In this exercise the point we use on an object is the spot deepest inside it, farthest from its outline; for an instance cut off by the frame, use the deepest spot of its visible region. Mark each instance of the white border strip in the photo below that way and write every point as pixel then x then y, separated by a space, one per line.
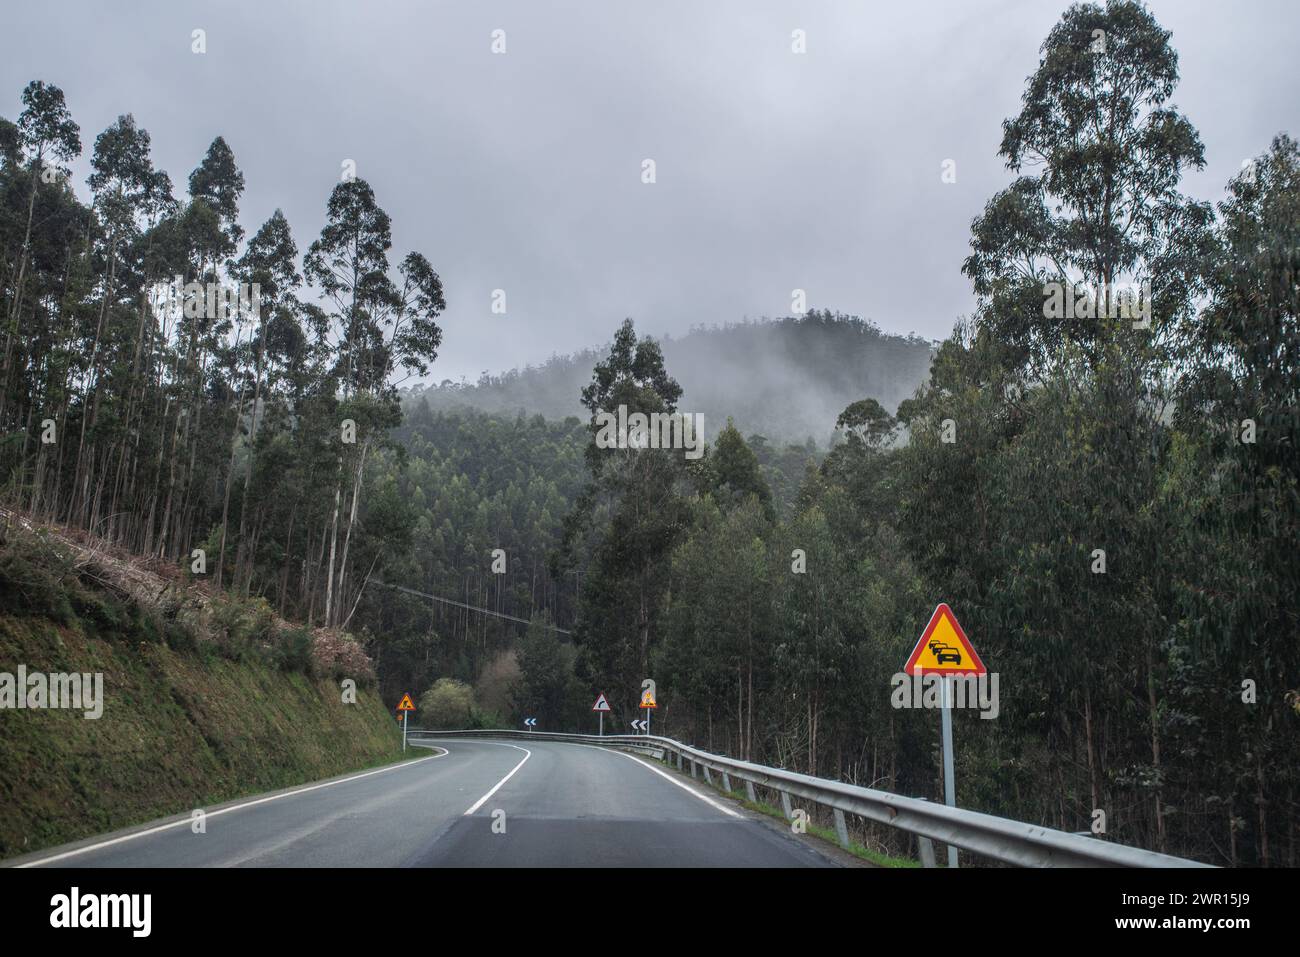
pixel 226 810
pixel 672 780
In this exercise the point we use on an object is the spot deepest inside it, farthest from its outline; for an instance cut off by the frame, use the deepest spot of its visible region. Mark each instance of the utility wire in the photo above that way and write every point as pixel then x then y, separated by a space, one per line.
pixel 461 604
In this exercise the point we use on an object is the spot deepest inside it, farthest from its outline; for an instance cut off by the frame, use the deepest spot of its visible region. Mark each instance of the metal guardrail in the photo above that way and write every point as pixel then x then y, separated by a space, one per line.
pixel 998 838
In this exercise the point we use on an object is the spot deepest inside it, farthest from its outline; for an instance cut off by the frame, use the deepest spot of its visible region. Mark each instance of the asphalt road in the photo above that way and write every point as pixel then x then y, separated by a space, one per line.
pixel 470 804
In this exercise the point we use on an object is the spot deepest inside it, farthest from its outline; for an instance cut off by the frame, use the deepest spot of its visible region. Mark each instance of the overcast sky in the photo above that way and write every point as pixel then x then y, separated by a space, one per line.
pixel 522 171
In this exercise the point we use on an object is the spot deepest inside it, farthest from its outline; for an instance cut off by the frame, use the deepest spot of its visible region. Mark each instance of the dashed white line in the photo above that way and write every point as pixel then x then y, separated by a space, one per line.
pixel 479 803
pixel 672 780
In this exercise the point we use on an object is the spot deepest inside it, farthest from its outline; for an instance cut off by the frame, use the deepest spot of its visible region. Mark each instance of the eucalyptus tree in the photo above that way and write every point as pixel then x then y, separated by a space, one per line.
pixel 47 135
pixel 126 189
pixel 1238 491
pixel 1100 154
pixel 269 263
pixel 624 526
pixel 381 326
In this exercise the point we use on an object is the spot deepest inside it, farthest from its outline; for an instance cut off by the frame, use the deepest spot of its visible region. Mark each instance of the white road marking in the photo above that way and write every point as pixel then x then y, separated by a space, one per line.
pixel 672 780
pixel 227 810
pixel 479 803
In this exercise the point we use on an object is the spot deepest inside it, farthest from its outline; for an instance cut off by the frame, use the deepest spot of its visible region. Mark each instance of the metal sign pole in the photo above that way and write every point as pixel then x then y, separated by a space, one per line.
pixel 404 714
pixel 602 723
pixel 949 785
pixel 647 720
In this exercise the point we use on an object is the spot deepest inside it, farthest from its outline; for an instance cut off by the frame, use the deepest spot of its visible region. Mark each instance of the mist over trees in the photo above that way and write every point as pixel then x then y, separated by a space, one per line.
pixel 785 379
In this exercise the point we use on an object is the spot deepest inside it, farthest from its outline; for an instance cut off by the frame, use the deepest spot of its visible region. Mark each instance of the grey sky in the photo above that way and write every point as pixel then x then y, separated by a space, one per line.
pixel 522 171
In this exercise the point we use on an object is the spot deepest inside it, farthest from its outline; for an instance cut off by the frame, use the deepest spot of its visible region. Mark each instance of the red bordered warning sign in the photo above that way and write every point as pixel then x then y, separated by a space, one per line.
pixel 944 648
pixel 406 704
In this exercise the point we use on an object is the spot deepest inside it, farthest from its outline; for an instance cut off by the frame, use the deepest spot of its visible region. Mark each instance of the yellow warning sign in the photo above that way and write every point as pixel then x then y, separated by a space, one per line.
pixel 406 704
pixel 648 699
pixel 944 648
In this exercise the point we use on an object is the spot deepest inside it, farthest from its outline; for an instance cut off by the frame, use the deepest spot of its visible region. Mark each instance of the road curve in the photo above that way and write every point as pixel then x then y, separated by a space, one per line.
pixel 473 803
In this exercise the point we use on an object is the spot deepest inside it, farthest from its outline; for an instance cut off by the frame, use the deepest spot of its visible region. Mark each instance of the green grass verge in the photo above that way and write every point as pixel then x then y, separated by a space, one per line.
pixel 824 833
pixel 180 730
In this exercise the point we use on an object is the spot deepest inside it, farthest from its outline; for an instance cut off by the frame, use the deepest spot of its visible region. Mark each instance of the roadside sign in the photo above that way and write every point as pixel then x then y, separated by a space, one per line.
pixel 648 698
pixel 601 704
pixel 944 648
pixel 405 707
pixel 530 723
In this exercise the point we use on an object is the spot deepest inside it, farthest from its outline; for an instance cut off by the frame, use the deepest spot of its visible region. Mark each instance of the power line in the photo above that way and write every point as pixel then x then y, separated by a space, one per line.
pixel 486 611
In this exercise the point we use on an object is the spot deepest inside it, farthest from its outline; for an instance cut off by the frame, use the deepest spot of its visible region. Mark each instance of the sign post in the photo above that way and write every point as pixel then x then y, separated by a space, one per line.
pixel 945 651
pixel 600 707
pixel 406 707
pixel 949 784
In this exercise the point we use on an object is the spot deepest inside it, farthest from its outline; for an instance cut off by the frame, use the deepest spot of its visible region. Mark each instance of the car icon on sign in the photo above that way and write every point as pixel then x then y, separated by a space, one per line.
pixel 946 654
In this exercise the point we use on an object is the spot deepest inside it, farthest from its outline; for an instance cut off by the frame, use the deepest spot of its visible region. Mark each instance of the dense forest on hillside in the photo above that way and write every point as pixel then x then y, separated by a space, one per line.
pixel 1110 503
pixel 785 379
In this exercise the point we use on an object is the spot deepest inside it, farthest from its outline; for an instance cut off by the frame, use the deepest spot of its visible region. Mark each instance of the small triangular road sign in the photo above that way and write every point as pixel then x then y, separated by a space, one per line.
pixel 407 704
pixel 648 699
pixel 944 648
pixel 601 704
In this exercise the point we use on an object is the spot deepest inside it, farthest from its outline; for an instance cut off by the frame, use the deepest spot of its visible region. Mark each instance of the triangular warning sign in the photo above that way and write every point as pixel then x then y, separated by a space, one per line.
pixel 648 699
pixel 601 704
pixel 944 648
pixel 406 704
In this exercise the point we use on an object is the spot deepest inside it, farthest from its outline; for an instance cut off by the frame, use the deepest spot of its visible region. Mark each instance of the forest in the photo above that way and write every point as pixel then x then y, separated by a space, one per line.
pixel 1111 506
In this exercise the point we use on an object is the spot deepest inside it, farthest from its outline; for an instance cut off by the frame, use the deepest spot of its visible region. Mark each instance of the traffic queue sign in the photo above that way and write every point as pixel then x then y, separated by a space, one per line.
pixel 648 701
pixel 944 649
pixel 601 706
pixel 405 707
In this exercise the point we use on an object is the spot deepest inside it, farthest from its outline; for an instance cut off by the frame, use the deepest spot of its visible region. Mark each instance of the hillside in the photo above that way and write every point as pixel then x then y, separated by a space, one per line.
pixel 785 379
pixel 203 700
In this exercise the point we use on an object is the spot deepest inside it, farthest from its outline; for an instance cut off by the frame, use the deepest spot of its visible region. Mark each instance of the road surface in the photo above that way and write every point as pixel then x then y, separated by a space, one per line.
pixel 469 804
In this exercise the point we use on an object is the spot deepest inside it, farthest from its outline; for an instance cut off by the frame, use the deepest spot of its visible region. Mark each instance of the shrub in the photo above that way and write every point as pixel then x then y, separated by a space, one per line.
pixel 448 705
pixel 292 651
pixel 337 654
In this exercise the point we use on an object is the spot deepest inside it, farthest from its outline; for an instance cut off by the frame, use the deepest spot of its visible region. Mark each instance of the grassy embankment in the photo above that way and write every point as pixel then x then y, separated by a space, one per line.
pixel 205 699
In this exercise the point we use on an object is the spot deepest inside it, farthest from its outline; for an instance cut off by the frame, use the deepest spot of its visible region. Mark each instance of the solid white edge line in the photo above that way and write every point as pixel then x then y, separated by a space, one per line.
pixel 226 810
pixel 672 780
pixel 479 803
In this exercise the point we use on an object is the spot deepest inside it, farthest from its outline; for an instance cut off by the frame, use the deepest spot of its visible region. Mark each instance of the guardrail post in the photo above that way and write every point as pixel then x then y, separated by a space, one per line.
pixel 726 782
pixel 749 792
pixel 925 847
pixel 679 760
pixel 841 829
pixel 708 778
pixel 785 805
pixel 694 770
